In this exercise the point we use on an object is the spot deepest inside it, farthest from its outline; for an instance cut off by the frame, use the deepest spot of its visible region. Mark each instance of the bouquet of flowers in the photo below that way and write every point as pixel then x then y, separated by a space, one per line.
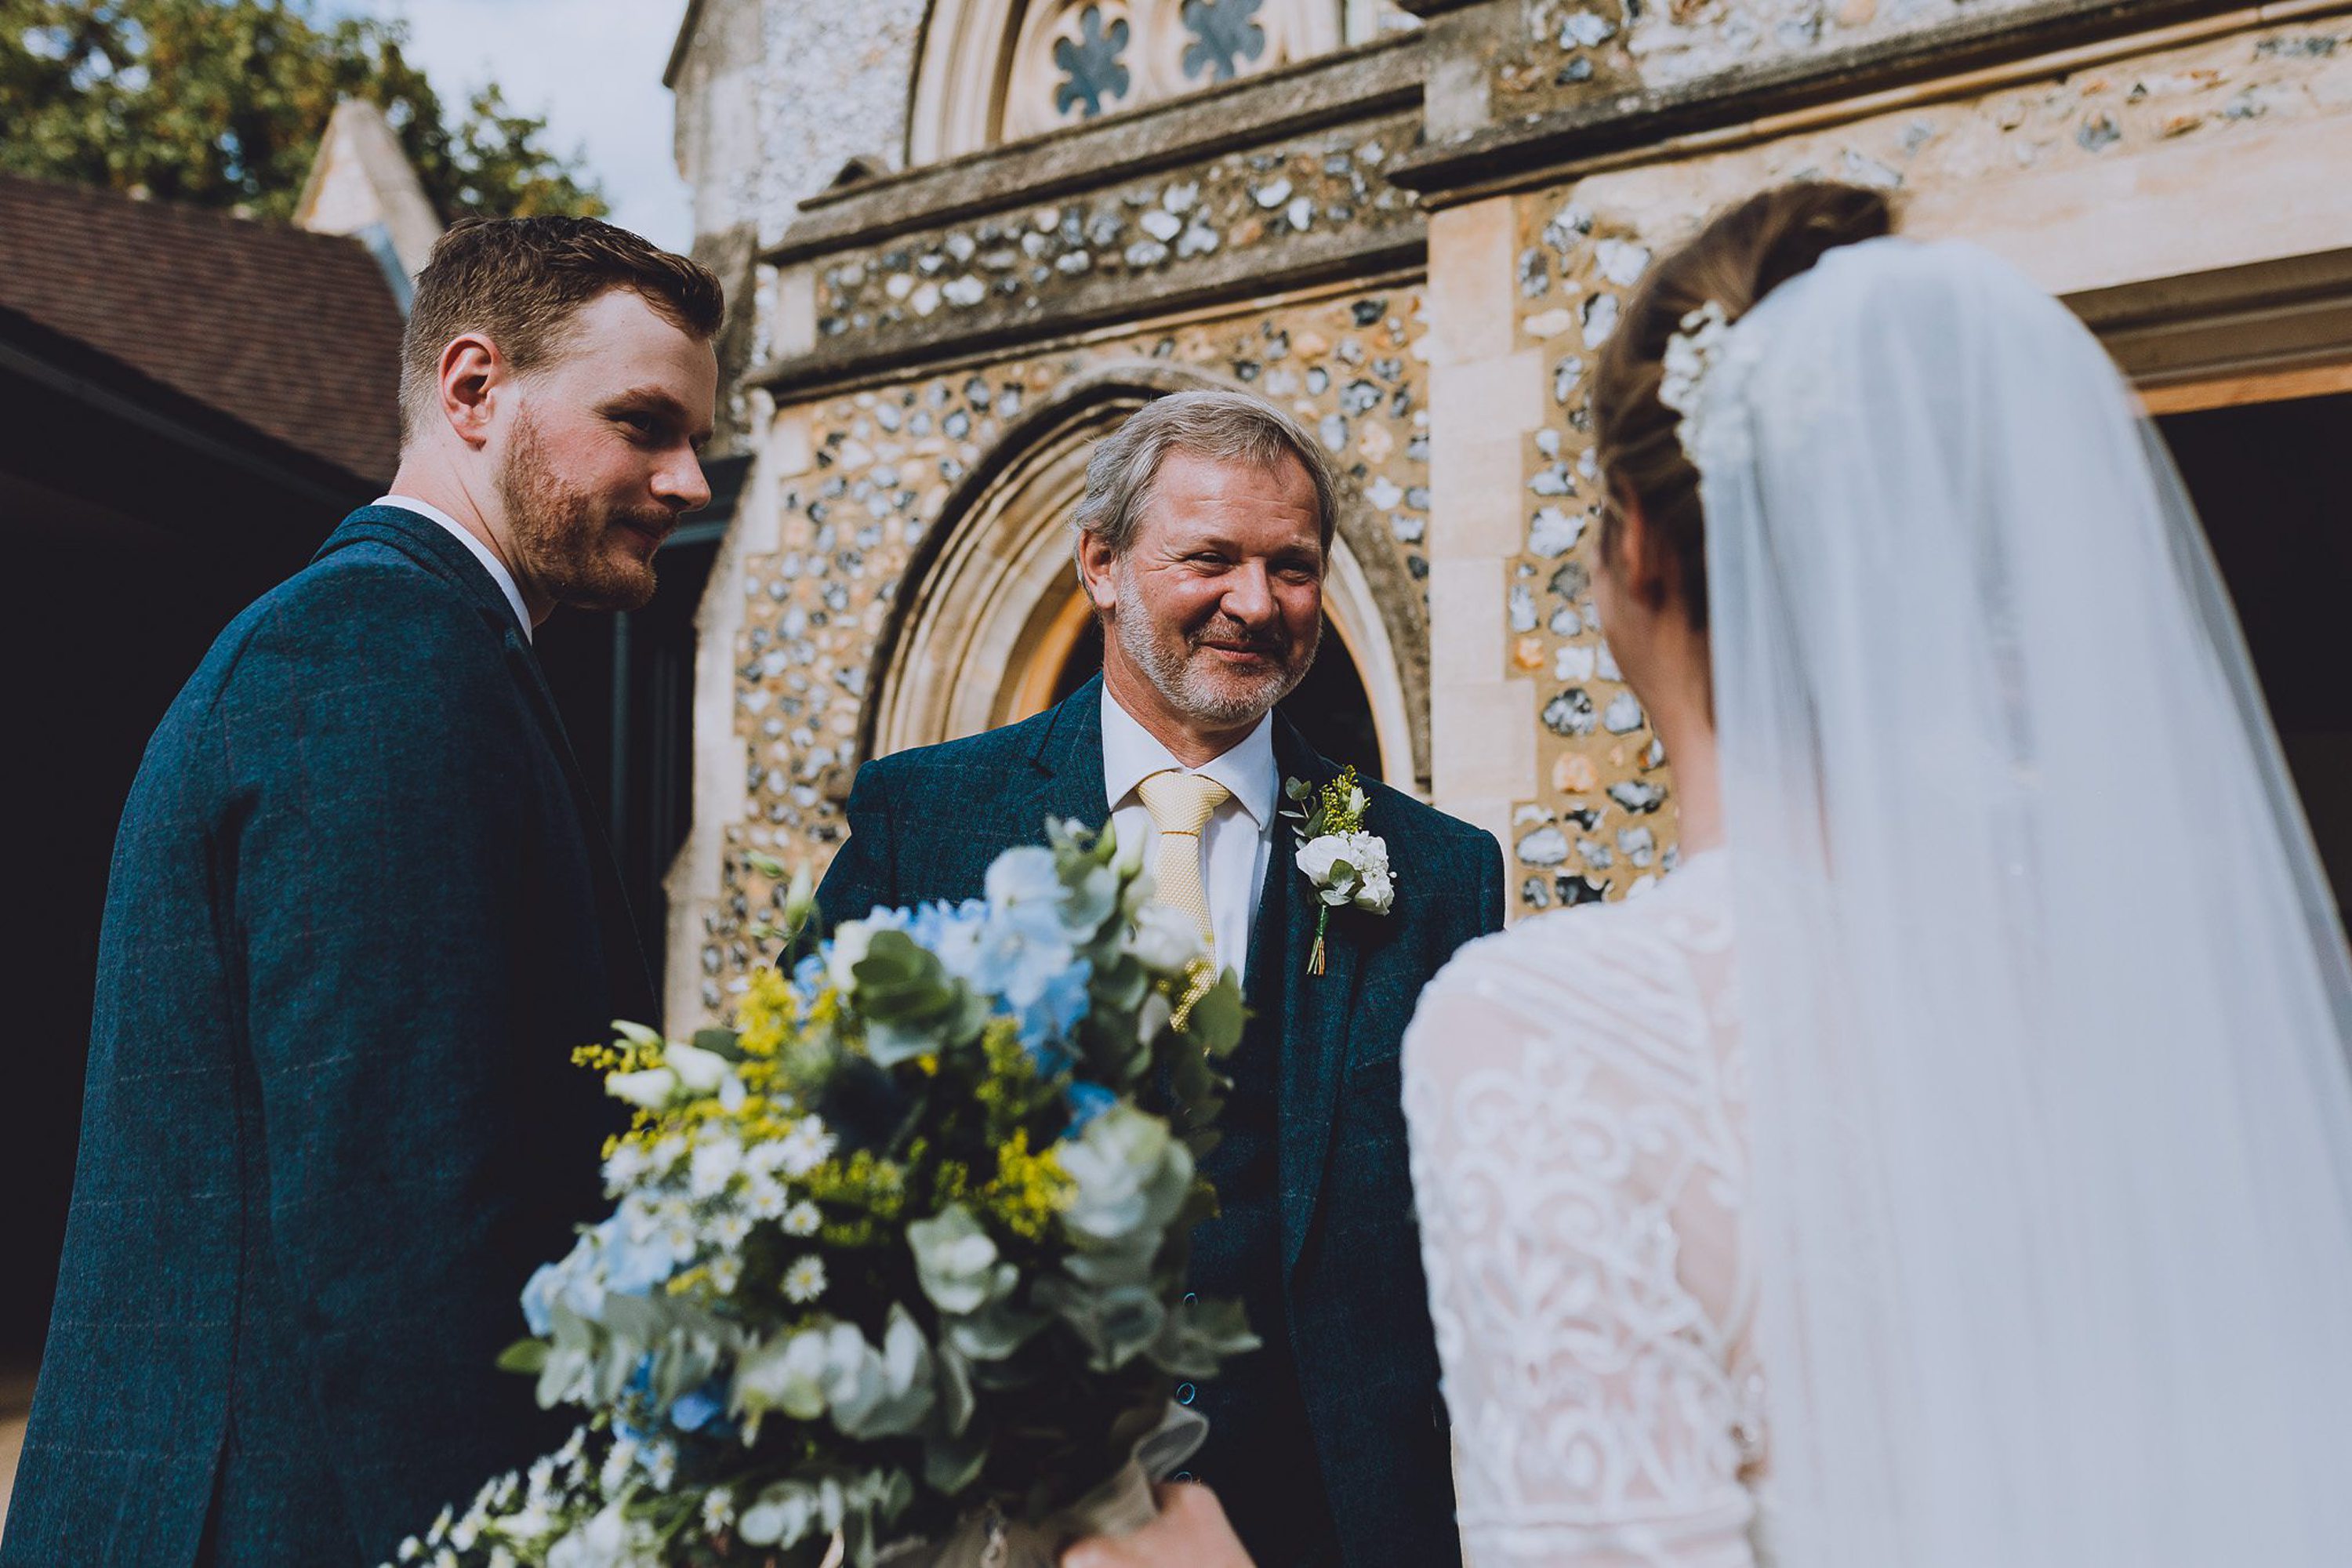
pixel 897 1272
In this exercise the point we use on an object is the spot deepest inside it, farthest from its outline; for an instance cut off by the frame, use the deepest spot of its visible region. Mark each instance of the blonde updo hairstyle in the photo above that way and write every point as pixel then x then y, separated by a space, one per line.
pixel 1735 261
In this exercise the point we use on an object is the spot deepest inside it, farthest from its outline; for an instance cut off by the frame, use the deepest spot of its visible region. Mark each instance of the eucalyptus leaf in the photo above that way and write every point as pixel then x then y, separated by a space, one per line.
pixel 994 1333
pixel 527 1356
pixel 951 1463
pixel 1219 1016
pixel 721 1042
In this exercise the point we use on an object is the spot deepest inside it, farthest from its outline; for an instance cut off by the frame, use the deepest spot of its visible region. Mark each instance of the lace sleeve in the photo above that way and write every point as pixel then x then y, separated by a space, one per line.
pixel 1576 1114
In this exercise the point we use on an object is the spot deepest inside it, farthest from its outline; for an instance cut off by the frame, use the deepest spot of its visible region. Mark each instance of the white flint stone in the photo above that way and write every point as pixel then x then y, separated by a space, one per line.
pixel 1272 197
pixel 1555 531
pixel 1161 224
pixel 1582 29
pixel 1622 261
pixel 1600 320
pixel 1544 846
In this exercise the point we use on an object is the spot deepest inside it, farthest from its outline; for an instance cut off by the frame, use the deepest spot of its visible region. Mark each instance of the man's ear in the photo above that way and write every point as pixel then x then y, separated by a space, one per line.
pixel 1098 572
pixel 473 377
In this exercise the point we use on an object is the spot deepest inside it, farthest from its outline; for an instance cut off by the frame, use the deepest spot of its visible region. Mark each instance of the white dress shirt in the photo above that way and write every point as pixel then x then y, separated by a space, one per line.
pixel 482 552
pixel 1237 842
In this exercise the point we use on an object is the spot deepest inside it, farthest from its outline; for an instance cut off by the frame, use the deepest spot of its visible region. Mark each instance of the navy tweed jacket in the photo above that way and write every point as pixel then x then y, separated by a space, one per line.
pixel 359 916
pixel 925 824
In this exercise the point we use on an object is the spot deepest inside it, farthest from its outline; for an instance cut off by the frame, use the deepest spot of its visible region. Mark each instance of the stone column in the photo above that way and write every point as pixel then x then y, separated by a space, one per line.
pixel 1485 396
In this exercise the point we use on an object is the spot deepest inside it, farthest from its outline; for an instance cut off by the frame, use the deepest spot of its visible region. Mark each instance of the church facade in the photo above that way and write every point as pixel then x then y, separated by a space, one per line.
pixel 969 237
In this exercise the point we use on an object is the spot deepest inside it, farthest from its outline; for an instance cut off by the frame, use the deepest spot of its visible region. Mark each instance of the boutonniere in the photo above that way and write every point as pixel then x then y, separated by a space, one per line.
pixel 1345 865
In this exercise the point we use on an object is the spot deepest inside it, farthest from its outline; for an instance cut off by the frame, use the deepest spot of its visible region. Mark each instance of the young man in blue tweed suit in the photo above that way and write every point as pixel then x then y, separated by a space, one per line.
pixel 1203 536
pixel 361 914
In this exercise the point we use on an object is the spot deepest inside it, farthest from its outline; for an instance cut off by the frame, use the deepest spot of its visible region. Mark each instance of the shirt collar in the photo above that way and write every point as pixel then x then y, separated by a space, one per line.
pixel 1132 753
pixel 482 552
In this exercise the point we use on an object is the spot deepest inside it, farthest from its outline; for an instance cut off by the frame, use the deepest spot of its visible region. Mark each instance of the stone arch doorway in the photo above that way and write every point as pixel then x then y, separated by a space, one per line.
pixel 989 626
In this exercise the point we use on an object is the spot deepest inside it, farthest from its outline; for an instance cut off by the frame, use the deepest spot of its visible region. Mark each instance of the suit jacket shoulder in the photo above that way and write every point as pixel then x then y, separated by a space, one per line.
pixel 989 752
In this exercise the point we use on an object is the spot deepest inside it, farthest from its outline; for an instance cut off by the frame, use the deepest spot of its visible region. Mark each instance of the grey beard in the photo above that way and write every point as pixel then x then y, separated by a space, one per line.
pixel 1175 678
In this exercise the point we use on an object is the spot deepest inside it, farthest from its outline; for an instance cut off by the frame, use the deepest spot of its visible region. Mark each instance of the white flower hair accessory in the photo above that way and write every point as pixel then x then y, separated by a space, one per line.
pixel 1691 353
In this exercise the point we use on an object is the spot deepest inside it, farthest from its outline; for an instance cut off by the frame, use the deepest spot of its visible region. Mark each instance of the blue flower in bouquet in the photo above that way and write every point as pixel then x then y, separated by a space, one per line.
pixel 1086 1102
pixel 1050 1019
pixel 703 1409
pixel 808 977
pixel 608 1259
pixel 952 932
pixel 1025 879
pixel 1020 953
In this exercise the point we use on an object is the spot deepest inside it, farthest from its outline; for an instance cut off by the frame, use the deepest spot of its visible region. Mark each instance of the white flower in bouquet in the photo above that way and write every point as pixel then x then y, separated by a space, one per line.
pixel 805 1147
pixel 714 1166
pixel 1166 938
pixel 804 1280
pixel 698 1071
pixel 650 1088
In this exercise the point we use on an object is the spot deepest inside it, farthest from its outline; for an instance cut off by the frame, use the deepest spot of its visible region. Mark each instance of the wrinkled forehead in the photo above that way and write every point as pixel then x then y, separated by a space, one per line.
pixel 1263 502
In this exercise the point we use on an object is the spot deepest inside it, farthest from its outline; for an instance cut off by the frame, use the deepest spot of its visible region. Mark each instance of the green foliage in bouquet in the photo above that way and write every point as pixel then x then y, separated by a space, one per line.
pixel 903 1248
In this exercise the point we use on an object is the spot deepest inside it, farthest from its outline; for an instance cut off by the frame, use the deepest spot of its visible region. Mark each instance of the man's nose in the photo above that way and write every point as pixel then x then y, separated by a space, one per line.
pixel 679 484
pixel 1249 595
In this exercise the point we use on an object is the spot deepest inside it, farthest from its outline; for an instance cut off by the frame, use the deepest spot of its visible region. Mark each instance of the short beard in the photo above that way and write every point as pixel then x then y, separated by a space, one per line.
pixel 557 533
pixel 1170 664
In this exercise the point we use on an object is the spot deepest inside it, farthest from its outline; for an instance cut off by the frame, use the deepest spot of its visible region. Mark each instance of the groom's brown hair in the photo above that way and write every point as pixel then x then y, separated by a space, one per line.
pixel 519 281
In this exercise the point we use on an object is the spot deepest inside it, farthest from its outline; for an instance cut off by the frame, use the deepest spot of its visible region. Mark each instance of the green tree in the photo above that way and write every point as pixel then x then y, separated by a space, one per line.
pixel 221 103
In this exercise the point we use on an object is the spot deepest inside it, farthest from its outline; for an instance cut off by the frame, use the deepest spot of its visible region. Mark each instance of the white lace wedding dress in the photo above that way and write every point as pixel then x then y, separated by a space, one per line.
pixel 1577 1097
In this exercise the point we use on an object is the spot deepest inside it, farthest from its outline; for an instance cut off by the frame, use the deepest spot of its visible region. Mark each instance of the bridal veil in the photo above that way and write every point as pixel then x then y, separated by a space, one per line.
pixel 2046 1001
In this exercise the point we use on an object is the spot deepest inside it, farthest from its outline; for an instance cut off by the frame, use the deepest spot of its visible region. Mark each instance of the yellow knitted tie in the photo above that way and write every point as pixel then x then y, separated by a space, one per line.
pixel 1181 805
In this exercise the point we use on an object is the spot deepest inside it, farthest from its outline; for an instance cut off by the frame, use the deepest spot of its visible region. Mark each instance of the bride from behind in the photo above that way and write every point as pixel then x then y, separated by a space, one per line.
pixel 1949 1164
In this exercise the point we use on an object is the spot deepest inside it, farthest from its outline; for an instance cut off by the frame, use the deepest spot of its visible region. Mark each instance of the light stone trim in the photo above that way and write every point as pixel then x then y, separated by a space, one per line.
pixel 1485 394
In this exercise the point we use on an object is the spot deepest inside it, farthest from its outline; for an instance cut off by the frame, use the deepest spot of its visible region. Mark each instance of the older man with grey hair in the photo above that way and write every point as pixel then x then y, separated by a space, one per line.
pixel 1202 541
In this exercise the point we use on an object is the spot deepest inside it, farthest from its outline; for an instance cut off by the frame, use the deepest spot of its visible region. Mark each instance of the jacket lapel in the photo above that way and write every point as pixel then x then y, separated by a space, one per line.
pixel 1067 764
pixel 1316 1009
pixel 428 544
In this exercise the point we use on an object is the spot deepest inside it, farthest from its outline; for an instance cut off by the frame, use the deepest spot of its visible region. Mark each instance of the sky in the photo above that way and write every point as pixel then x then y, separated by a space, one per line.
pixel 593 68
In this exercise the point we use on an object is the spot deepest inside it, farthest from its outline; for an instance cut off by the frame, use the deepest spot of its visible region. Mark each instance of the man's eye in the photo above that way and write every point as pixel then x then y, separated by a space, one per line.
pixel 641 424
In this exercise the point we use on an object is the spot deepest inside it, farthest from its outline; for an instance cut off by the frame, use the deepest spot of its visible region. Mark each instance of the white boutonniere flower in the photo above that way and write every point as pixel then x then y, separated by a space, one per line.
pixel 1347 867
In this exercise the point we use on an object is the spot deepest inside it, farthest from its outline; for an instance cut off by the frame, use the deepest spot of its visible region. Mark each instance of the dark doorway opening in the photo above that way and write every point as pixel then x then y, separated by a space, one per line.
pixel 625 687
pixel 1330 707
pixel 2273 482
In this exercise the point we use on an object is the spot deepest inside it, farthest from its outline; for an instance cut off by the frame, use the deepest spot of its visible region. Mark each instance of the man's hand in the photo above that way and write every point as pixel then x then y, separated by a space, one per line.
pixel 1191 1532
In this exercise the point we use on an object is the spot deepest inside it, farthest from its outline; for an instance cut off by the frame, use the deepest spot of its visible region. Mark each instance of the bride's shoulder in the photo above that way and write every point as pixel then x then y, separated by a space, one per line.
pixel 1686 912
pixel 1636 962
